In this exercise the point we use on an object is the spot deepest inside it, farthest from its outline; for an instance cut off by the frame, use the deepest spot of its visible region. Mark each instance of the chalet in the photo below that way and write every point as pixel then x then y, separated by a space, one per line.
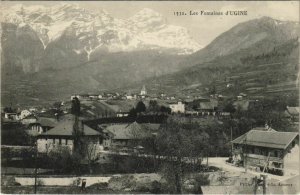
pixel 62 136
pixel 177 108
pixel 126 135
pixel 268 150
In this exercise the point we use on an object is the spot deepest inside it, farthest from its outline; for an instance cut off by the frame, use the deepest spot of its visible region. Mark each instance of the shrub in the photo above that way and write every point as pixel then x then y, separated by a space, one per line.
pixel 156 187
pixel 200 180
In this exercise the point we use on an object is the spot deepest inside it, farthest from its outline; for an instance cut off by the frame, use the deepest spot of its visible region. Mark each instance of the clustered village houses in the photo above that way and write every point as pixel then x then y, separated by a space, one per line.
pixel 261 148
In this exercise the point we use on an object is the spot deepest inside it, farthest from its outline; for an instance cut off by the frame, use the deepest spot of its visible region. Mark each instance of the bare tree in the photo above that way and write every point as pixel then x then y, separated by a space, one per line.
pixel 90 151
pixel 181 143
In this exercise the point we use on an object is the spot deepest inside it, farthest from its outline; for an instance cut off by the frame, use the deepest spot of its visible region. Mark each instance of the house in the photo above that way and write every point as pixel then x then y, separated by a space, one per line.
pixel 32 110
pixel 25 113
pixel 239 97
pixel 127 135
pixel 177 108
pixel 267 149
pixel 122 114
pixel 82 96
pixel 241 104
pixel 29 119
pixel 204 106
pixel 243 94
pixel 43 124
pixel 61 136
pixel 93 97
pixel 292 113
pixel 128 97
pixel 11 116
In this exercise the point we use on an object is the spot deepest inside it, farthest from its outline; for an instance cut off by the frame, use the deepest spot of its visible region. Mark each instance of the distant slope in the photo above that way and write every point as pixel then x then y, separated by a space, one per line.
pixel 273 72
pixel 259 34
pixel 104 71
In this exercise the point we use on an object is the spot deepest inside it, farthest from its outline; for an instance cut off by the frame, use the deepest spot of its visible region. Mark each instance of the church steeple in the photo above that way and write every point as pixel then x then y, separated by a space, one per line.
pixel 143 91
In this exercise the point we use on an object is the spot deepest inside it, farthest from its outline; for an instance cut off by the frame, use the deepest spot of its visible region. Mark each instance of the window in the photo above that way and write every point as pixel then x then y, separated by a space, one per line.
pixel 59 141
pixel 276 153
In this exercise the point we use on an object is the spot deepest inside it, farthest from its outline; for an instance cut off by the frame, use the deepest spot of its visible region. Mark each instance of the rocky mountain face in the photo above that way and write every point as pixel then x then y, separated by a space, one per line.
pixel 256 36
pixel 66 35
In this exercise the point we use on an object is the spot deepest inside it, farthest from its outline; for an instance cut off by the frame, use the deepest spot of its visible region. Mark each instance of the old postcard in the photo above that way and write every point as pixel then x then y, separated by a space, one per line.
pixel 159 97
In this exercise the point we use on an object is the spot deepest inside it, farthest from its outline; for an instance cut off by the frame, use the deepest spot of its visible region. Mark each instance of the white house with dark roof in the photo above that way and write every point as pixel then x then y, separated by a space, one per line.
pixel 269 150
pixel 62 136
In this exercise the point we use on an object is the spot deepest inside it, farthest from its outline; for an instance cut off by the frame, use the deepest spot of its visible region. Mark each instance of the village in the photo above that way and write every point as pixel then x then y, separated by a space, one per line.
pixel 98 140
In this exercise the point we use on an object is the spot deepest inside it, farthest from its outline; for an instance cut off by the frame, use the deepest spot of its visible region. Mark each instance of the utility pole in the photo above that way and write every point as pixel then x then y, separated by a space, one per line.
pixel 255 185
pixel 245 152
pixel 35 164
pixel 260 182
pixel 264 183
pixel 231 140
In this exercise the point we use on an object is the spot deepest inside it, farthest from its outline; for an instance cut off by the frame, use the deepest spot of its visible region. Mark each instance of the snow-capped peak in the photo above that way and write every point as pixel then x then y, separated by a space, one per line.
pixel 147 29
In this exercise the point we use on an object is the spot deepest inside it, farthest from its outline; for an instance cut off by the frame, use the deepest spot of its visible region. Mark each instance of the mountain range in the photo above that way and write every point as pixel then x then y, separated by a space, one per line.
pixel 48 53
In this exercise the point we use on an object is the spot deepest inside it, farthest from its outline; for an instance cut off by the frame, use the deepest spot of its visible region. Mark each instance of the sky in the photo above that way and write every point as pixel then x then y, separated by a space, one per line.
pixel 203 29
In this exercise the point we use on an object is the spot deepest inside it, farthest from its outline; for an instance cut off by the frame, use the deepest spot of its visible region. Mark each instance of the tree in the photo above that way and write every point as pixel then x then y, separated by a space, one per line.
pixel 75 110
pixel 153 106
pixel 8 110
pixel 132 113
pixel 165 109
pixel 229 108
pixel 140 107
pixel 90 152
pixel 77 137
pixel 213 90
pixel 178 141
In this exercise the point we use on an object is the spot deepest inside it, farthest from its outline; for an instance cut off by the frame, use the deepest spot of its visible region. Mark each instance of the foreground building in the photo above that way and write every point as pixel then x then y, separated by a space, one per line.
pixel 268 150
pixel 61 136
pixel 128 134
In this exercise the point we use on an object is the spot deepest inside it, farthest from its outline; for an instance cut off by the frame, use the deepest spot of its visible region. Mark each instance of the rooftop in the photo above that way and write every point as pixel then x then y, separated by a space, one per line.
pixel 269 139
pixel 132 131
pixel 293 110
pixel 65 128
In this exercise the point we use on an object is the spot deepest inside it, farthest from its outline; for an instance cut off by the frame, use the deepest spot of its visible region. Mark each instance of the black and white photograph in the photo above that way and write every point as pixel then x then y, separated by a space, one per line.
pixel 150 97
